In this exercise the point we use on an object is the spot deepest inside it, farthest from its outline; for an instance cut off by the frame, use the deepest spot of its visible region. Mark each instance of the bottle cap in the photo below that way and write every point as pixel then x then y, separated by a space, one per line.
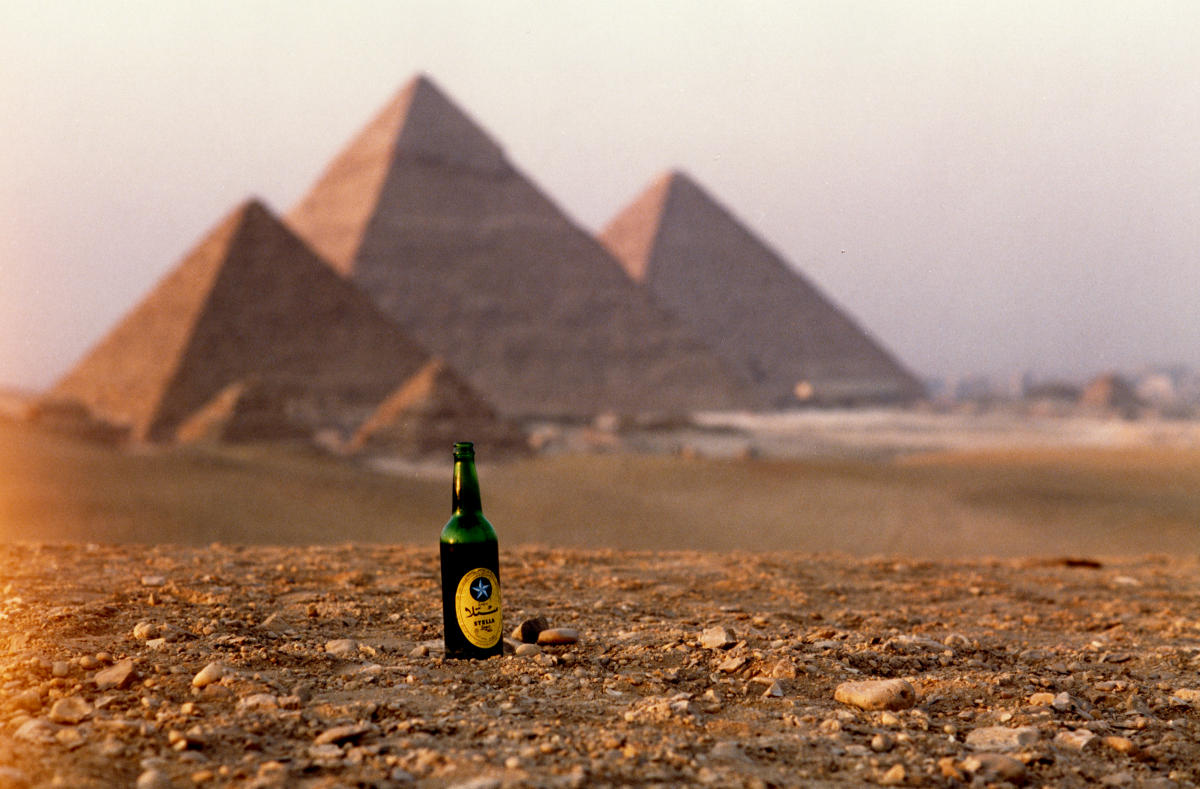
pixel 464 449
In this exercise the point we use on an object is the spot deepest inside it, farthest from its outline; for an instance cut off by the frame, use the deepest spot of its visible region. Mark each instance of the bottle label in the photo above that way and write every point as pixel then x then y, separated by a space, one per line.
pixel 477 604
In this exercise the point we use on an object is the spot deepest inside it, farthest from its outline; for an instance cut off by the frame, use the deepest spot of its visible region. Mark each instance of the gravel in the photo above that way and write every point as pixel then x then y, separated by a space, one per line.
pixel 323 667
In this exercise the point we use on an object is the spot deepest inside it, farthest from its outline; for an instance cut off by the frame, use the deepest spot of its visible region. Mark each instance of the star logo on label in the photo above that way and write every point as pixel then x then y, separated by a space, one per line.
pixel 481 589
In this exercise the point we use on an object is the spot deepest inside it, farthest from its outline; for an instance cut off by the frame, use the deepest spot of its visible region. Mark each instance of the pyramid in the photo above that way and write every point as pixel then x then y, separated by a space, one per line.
pixel 425 213
pixel 741 298
pixel 250 300
pixel 246 410
pixel 433 410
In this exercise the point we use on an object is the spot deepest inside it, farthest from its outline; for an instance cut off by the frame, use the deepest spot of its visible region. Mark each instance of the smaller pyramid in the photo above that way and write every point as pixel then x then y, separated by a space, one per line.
pixel 740 297
pixel 430 412
pixel 251 300
pixel 244 411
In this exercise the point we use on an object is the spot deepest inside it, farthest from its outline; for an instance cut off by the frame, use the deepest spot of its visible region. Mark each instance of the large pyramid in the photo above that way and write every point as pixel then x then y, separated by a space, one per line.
pixel 740 297
pixel 250 301
pixel 426 214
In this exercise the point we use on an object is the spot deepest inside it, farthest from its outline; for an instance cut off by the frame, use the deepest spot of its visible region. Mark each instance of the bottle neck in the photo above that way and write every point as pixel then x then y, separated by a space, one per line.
pixel 466 488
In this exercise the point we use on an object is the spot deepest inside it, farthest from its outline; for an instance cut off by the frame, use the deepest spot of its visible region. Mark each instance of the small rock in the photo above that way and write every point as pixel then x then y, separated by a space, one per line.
pixel 1041 699
pixel 988 768
pixel 483 782
pixel 12 778
pixel 153 581
pixel 527 649
pixel 784 669
pixel 276 624
pixel 29 700
pixel 1119 744
pixel 775 691
pixel 731 664
pixel 558 636
pixel 726 750
pixel 144 631
pixel 882 742
pixel 419 651
pixel 116 677
pixel 527 632
pixel 340 735
pixel 1063 702
pixel 957 641
pixel 342 647
pixel 877 694
pixel 1076 740
pixel 153 779
pixel 1190 695
pixel 259 701
pixel 894 776
pixel 208 675
pixel 1002 738
pixel 61 668
pixel 38 731
pixel 70 710
pixel 1117 779
pixel 717 638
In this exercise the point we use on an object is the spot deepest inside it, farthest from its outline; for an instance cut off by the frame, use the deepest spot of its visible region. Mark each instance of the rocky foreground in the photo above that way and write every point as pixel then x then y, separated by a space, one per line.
pixel 224 666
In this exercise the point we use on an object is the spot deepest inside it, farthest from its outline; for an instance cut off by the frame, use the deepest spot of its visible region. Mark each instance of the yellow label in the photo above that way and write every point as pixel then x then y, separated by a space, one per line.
pixel 477 604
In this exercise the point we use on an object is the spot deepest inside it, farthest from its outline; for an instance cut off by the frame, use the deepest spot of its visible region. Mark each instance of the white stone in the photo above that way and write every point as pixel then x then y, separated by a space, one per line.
pixel 877 694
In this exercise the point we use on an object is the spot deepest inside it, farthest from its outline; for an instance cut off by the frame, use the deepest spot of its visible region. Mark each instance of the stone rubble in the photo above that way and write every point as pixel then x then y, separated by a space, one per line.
pixel 323 667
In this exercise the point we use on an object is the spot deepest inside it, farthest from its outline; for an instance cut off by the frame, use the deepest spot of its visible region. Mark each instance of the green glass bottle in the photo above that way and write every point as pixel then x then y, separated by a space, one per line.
pixel 471 609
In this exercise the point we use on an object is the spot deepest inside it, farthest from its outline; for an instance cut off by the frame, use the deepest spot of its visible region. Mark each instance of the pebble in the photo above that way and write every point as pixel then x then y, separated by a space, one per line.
pixel 717 638
pixel 990 768
pixel 342 647
pixel 527 632
pixel 61 668
pixel 726 750
pixel 117 676
pixel 775 691
pixel 153 779
pixel 259 701
pixel 1119 744
pixel 877 694
pixel 895 776
pixel 1063 702
pixel 144 631
pixel 1041 699
pixel 208 675
pixel 732 664
pixel 527 649
pixel 70 710
pixel 784 669
pixel 882 742
pixel 1190 695
pixel 482 782
pixel 1002 738
pixel 36 730
pixel 558 636
pixel 1076 740
pixel 339 735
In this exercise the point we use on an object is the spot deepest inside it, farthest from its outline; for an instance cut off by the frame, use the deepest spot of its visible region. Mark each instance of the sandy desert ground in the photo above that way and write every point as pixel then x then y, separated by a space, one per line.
pixel 692 669
pixel 820 552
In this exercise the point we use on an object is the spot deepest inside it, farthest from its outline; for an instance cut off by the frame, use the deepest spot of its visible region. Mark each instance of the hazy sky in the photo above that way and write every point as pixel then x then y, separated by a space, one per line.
pixel 983 185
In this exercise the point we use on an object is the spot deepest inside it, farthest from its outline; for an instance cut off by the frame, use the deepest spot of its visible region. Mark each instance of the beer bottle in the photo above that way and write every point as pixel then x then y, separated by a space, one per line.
pixel 470 569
